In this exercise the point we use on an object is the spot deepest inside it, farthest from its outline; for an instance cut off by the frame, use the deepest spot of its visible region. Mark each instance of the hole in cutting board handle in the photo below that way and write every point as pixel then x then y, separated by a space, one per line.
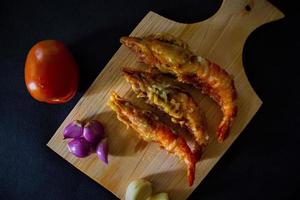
pixel 248 8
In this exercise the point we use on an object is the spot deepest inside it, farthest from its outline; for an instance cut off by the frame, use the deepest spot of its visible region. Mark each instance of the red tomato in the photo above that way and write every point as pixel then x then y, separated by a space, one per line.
pixel 51 73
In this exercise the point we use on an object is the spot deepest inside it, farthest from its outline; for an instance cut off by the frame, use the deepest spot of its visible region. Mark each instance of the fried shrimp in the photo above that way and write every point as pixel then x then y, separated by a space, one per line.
pixel 150 129
pixel 174 101
pixel 172 55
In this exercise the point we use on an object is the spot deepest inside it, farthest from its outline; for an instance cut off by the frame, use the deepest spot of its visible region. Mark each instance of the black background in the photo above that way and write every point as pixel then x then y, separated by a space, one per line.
pixel 261 164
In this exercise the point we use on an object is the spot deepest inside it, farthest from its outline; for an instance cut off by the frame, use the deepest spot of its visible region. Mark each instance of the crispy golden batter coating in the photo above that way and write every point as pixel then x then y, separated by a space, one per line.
pixel 172 55
pixel 177 103
pixel 150 129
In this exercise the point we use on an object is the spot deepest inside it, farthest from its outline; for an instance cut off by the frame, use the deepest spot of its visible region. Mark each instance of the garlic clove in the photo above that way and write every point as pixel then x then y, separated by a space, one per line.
pixel 159 196
pixel 139 189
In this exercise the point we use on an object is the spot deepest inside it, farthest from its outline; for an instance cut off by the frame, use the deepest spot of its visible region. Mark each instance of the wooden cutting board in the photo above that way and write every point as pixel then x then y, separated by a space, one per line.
pixel 219 38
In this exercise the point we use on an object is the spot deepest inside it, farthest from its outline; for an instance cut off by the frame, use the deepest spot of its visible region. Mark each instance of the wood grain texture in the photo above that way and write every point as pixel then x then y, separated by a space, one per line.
pixel 221 39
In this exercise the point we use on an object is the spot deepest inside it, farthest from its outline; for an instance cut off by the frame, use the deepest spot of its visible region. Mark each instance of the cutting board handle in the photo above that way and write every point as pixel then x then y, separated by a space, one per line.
pixel 251 11
pixel 234 22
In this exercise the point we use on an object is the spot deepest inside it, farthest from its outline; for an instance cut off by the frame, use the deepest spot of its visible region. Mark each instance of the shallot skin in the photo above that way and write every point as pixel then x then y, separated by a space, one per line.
pixel 93 131
pixel 79 147
pixel 73 130
pixel 102 150
pixel 87 137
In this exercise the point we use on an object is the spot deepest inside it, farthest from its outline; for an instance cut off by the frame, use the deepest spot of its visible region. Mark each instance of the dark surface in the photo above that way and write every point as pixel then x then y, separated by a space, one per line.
pixel 261 164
